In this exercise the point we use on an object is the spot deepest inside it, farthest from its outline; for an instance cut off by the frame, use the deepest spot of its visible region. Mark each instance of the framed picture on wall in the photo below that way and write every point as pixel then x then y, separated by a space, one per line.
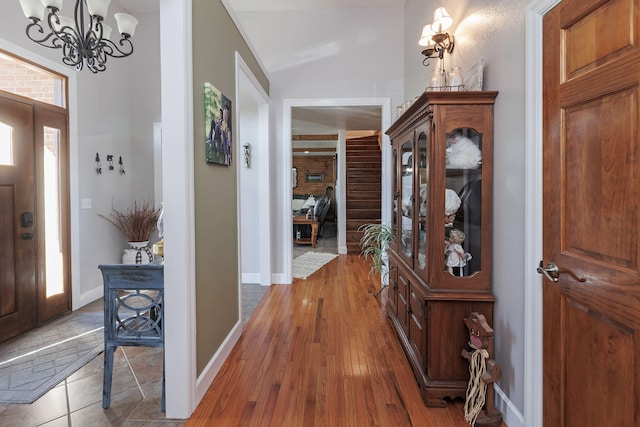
pixel 218 147
pixel 314 177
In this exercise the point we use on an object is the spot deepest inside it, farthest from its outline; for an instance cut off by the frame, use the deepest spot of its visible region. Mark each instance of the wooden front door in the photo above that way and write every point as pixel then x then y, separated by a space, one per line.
pixel 18 296
pixel 34 214
pixel 591 207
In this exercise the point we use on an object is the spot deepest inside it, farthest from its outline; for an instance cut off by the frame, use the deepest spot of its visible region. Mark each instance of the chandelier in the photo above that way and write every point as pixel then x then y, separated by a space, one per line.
pixel 84 39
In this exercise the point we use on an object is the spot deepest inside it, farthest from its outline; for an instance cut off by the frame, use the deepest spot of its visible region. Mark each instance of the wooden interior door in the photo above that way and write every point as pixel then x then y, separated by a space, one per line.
pixel 591 368
pixel 18 301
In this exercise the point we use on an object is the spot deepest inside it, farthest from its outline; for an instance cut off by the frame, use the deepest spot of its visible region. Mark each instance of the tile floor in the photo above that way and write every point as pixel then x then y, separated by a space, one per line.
pixel 135 395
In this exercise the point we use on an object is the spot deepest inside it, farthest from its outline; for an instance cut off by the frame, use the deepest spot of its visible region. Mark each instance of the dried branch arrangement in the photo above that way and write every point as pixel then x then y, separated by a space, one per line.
pixel 137 222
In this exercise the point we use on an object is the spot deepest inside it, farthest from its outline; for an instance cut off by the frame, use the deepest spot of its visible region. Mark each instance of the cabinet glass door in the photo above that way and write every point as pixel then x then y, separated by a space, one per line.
pixel 396 198
pixel 406 201
pixel 421 214
pixel 463 202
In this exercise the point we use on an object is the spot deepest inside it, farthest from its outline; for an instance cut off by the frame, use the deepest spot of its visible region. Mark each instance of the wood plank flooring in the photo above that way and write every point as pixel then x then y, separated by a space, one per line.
pixel 320 352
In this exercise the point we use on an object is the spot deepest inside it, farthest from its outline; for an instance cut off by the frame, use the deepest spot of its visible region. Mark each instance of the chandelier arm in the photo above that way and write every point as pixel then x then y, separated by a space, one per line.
pixel 111 49
pixel 66 35
pixel 71 56
pixel 95 65
pixel 34 28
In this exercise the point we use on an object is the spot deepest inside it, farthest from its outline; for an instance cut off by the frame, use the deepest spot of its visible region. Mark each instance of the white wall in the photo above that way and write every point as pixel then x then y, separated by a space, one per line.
pixel 113 114
pixel 361 59
pixel 494 32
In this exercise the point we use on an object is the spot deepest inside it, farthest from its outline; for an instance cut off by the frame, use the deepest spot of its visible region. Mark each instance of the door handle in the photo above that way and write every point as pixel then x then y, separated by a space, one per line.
pixel 552 272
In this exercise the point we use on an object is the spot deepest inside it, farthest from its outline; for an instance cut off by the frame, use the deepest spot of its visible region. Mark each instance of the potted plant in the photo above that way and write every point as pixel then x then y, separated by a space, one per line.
pixel 374 243
pixel 136 223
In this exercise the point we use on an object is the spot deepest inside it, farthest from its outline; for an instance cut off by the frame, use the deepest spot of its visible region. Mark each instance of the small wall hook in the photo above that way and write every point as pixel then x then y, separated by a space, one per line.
pixel 121 165
pixel 110 160
pixel 98 165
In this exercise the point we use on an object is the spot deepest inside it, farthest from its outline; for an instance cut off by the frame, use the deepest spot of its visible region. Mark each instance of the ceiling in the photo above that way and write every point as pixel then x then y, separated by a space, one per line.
pixel 145 7
pixel 258 5
pixel 305 120
pixel 328 120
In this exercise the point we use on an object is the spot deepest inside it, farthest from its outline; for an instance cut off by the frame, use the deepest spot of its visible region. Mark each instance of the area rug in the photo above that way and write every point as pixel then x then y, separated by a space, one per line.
pixel 37 361
pixel 310 262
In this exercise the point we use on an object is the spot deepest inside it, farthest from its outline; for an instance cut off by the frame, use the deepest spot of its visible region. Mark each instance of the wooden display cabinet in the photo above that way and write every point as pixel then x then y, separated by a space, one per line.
pixel 440 250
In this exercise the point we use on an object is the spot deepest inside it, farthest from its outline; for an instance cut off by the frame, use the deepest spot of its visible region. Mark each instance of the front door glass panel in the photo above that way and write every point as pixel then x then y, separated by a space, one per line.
pixel 53 242
pixel 6 145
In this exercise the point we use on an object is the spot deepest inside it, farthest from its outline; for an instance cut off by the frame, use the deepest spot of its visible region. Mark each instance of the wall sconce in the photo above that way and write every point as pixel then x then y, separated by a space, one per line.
pixel 247 155
pixel 433 37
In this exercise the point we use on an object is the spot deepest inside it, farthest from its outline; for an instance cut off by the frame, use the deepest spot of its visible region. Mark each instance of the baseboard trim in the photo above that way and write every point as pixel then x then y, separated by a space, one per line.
pixel 343 250
pixel 213 367
pixel 89 297
pixel 251 278
pixel 511 416
pixel 279 279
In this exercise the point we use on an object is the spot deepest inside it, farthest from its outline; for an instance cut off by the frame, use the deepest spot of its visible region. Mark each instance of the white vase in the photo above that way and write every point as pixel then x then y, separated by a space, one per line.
pixel 138 253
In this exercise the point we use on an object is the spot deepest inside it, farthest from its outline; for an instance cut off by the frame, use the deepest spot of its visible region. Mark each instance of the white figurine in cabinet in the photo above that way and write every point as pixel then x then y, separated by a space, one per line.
pixel 462 153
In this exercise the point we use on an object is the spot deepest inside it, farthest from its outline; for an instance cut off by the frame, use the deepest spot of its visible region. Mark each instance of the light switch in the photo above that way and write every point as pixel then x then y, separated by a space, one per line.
pixel 86 203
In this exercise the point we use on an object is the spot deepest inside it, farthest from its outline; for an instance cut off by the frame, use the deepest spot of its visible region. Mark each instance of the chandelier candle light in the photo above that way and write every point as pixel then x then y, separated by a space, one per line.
pixel 85 38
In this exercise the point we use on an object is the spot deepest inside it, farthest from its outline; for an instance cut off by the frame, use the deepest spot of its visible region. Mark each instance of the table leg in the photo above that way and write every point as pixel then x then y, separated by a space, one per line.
pixel 314 234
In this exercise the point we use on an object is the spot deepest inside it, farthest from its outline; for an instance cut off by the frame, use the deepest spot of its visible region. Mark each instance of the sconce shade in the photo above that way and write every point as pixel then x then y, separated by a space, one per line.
pixel 56 4
pixel 106 31
pixel 426 36
pixel 98 7
pixel 441 20
pixel 33 9
pixel 126 23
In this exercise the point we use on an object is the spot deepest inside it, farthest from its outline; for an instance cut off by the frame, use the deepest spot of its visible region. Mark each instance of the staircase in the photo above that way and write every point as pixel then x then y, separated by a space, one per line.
pixel 364 182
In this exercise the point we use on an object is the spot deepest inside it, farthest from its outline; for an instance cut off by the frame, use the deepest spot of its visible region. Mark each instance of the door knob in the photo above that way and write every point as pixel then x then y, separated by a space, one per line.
pixel 550 271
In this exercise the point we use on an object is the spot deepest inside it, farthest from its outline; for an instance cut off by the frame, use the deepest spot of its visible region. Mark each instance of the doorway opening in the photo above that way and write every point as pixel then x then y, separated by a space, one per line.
pixel 254 193
pixel 341 107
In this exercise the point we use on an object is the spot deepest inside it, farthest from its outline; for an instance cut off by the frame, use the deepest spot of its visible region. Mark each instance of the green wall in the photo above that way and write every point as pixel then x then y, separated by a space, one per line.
pixel 215 41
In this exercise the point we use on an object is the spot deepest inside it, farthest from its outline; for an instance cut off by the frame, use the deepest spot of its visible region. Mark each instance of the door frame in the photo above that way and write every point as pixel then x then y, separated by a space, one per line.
pixel 533 351
pixel 77 299
pixel 260 158
pixel 287 191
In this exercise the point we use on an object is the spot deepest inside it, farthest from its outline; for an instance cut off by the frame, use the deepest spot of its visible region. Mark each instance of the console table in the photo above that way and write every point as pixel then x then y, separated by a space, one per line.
pixel 302 220
pixel 133 313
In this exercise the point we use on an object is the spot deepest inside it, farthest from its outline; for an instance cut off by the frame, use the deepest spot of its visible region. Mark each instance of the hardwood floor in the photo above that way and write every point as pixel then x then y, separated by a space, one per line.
pixel 320 352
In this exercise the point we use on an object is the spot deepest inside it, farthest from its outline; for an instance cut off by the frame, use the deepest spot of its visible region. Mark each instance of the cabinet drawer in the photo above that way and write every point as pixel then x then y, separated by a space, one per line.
pixel 403 302
pixel 418 324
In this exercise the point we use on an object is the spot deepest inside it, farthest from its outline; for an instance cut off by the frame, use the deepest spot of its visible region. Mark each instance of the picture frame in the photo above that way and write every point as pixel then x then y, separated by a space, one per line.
pixel 314 177
pixel 218 127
